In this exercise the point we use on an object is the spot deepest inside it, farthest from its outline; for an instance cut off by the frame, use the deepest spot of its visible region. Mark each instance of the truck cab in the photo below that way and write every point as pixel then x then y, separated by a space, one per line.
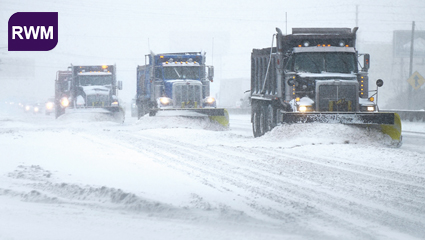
pixel 174 81
pixel 88 87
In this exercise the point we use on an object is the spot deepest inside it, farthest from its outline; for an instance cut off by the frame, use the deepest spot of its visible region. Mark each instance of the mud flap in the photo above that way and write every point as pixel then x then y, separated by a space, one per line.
pixel 223 120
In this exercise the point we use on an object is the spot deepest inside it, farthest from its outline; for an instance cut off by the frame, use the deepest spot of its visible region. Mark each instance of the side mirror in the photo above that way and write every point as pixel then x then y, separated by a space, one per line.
pixel 292 81
pixel 210 73
pixel 366 62
pixel 379 82
pixel 119 85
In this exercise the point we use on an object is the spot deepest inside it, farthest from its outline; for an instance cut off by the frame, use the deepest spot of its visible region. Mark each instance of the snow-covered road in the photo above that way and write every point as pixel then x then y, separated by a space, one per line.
pixel 179 178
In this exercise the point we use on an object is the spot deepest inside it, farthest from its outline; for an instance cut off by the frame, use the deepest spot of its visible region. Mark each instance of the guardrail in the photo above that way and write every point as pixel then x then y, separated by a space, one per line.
pixel 409 115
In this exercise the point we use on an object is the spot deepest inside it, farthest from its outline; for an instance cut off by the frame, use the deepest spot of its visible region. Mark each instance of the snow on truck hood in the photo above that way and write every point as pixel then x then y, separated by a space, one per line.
pixel 184 81
pixel 99 90
pixel 327 74
pixel 95 73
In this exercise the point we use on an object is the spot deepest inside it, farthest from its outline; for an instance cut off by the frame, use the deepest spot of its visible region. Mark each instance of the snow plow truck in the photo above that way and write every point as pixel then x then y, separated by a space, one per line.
pixel 316 75
pixel 89 89
pixel 177 84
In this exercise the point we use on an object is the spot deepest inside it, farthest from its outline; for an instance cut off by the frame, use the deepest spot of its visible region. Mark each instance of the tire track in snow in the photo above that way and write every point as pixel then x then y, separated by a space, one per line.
pixel 258 184
pixel 401 205
pixel 365 205
pixel 264 181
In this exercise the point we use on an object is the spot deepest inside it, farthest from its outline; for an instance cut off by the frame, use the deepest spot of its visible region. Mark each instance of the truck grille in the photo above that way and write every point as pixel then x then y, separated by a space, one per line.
pixel 98 101
pixel 337 97
pixel 187 96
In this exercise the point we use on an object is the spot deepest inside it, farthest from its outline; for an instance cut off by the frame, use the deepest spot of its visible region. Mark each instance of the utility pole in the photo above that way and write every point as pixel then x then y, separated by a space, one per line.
pixel 411 65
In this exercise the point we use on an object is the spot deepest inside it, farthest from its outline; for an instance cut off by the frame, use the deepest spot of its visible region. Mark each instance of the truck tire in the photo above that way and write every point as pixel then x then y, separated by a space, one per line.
pixel 262 120
pixel 270 118
pixel 258 120
pixel 255 121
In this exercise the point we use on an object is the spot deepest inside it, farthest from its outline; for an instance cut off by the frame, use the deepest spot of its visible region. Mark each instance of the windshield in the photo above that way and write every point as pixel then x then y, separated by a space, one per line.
pixel 182 72
pixel 91 80
pixel 315 62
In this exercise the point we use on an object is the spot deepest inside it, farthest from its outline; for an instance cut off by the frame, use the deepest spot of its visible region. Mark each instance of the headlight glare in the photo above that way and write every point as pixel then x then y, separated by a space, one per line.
pixel 64 102
pixel 210 100
pixel 49 105
pixel 302 108
pixel 164 100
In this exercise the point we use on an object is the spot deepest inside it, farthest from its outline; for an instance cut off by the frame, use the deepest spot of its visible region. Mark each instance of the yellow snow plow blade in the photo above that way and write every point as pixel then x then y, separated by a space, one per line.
pixel 388 123
pixel 393 130
pixel 223 120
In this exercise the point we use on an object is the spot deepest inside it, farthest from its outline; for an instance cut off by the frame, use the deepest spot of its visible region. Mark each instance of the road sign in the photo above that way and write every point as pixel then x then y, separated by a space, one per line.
pixel 416 80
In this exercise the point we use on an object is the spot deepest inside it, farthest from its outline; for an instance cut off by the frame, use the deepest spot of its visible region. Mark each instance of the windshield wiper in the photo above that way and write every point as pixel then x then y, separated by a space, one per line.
pixel 177 72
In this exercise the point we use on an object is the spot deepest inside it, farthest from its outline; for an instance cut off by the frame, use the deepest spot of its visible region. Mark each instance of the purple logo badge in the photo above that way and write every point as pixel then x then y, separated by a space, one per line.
pixel 33 31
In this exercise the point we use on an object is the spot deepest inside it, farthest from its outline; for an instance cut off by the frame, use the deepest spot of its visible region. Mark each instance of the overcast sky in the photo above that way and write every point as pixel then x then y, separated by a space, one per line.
pixel 123 32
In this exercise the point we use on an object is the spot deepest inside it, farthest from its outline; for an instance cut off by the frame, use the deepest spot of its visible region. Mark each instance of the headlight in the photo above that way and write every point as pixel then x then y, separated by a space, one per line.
pixel 370 108
pixel 64 102
pixel 27 108
pixel 114 104
pixel 49 105
pixel 210 100
pixel 164 100
pixel 305 108
pixel 36 109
